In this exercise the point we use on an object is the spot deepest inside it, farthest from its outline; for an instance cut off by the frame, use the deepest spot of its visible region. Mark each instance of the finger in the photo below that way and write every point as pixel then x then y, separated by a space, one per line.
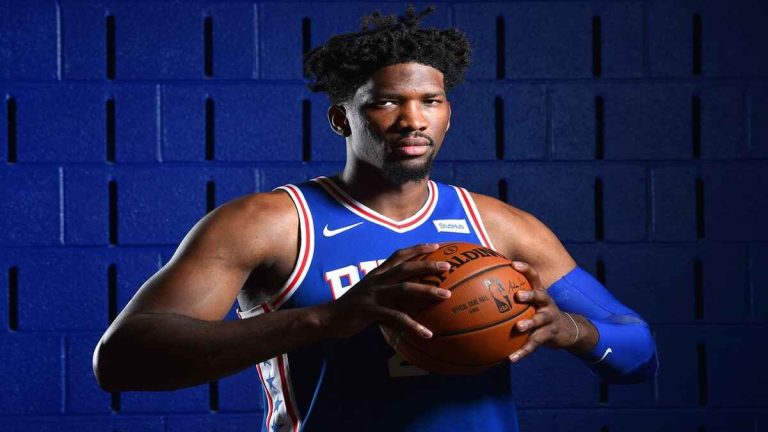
pixel 525 350
pixel 539 319
pixel 528 271
pixel 414 270
pixel 402 255
pixel 401 320
pixel 410 296
pixel 414 289
pixel 539 297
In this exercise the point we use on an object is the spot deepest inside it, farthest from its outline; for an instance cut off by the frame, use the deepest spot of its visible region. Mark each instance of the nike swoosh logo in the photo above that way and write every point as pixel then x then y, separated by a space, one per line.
pixel 608 351
pixel 330 233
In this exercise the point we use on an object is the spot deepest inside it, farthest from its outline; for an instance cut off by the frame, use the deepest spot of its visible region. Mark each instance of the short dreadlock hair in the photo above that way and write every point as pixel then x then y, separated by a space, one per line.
pixel 348 60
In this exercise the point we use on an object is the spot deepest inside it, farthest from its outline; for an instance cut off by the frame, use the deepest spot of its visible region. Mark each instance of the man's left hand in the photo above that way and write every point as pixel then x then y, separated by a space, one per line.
pixel 549 326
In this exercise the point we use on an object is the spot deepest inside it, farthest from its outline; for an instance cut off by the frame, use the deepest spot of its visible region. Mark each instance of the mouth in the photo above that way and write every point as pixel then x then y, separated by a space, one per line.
pixel 413 142
pixel 412 146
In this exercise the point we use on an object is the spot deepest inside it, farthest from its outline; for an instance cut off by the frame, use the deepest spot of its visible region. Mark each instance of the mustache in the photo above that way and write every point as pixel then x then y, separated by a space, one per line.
pixel 417 134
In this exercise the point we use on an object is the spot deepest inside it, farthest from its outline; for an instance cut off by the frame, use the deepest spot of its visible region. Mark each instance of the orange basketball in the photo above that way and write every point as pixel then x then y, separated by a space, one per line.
pixel 474 328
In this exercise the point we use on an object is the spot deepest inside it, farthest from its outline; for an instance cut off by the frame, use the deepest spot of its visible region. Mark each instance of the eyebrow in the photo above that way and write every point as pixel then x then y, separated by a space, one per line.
pixel 398 96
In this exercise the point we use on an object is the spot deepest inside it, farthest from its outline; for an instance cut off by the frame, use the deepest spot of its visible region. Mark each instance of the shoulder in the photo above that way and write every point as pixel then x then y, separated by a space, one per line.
pixel 218 254
pixel 521 236
pixel 248 231
pixel 509 226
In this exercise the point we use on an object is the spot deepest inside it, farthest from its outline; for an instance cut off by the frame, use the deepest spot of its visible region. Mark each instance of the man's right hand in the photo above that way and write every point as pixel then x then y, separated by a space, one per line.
pixel 379 295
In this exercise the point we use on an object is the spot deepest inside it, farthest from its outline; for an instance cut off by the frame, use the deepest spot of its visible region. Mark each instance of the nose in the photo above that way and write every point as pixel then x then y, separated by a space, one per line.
pixel 412 117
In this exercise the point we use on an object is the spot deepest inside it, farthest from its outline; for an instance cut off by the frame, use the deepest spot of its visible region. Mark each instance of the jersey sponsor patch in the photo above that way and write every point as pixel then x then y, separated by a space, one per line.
pixel 452 225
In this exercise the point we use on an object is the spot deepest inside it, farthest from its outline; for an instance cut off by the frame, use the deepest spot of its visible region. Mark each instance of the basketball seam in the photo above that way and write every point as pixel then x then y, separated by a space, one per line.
pixel 482 327
pixel 432 356
pixel 448 362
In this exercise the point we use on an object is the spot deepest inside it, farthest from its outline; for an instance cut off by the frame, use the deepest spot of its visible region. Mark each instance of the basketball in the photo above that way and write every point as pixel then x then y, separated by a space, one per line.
pixel 473 329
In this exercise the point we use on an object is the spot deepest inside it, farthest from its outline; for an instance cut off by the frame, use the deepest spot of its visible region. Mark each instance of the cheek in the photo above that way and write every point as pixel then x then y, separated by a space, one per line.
pixel 369 130
pixel 440 123
pixel 375 125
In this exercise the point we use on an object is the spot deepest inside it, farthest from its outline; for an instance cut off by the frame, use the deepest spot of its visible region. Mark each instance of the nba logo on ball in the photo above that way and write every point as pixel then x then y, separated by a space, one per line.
pixel 499 294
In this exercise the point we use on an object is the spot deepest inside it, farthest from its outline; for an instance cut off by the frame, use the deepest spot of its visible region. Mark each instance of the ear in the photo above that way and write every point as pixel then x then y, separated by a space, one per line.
pixel 449 117
pixel 337 118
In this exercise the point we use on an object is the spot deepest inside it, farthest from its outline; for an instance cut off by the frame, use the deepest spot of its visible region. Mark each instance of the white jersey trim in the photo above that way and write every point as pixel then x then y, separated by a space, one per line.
pixel 275 374
pixel 360 209
pixel 282 412
pixel 473 215
pixel 303 260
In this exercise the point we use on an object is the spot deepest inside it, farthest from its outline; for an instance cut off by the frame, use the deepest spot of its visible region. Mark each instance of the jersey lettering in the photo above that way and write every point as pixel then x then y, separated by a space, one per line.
pixel 367 266
pixel 342 279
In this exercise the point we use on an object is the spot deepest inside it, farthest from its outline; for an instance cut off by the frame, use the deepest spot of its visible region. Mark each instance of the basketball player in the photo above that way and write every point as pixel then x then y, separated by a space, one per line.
pixel 315 267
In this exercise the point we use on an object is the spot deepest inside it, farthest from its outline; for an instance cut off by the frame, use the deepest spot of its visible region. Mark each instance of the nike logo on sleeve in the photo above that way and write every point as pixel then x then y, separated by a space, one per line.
pixel 608 351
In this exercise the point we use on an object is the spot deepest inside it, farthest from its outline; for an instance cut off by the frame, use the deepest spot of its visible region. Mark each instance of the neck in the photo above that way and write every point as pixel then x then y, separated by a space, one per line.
pixel 368 185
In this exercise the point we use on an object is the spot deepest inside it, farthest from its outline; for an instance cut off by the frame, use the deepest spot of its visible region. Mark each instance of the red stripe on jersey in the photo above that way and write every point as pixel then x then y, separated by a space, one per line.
pixel 270 408
pixel 475 218
pixel 339 195
pixel 286 395
pixel 304 253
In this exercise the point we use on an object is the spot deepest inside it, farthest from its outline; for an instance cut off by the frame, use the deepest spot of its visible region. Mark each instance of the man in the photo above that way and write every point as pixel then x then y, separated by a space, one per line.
pixel 306 263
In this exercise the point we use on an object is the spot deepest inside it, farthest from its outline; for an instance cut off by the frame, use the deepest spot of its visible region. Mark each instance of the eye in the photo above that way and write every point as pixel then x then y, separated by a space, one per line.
pixel 433 101
pixel 384 103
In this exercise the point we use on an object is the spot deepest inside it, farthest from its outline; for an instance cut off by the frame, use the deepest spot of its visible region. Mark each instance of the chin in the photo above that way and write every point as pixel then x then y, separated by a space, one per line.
pixel 405 171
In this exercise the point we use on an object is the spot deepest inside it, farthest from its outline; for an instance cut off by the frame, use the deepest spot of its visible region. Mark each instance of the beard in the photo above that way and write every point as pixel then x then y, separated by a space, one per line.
pixel 399 172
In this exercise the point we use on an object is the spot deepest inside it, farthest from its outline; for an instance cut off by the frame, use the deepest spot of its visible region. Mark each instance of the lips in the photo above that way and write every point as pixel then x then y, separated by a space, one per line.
pixel 413 141
pixel 412 146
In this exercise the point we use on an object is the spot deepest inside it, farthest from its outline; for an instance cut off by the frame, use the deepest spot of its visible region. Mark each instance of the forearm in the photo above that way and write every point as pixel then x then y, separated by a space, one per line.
pixel 169 351
pixel 618 343
pixel 587 336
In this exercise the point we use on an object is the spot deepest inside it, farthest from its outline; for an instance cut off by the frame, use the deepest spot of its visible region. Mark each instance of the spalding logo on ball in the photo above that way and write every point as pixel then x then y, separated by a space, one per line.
pixel 474 329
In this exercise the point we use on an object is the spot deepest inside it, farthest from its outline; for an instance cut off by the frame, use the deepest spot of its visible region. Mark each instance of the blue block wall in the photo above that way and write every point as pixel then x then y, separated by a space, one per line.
pixel 638 131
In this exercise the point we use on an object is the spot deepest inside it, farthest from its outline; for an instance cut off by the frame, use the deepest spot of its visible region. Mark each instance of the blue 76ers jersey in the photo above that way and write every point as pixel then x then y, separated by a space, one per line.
pixel 360 383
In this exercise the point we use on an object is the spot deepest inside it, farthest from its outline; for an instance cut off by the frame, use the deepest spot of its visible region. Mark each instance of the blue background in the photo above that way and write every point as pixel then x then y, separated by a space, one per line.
pixel 638 131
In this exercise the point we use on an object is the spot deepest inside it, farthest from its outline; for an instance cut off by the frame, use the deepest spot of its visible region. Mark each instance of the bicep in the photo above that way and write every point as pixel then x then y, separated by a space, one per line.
pixel 541 248
pixel 210 266
pixel 193 285
pixel 521 236
pixel 585 294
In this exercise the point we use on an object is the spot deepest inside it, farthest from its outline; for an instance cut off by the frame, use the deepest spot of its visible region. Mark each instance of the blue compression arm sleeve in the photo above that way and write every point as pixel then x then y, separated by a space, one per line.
pixel 625 351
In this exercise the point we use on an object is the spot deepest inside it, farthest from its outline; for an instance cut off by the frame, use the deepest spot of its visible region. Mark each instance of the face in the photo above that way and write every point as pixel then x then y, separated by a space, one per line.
pixel 397 120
